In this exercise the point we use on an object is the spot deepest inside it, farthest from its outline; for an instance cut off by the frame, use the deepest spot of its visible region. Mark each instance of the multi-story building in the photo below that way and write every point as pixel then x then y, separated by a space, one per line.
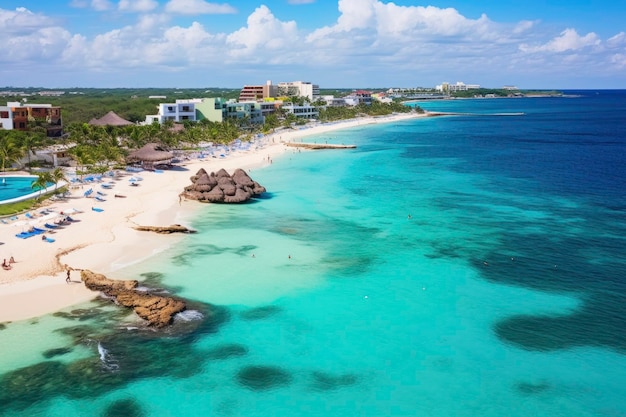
pixel 306 111
pixel 332 101
pixel 359 97
pixel 258 92
pixel 180 111
pixel 215 109
pixel 24 117
pixel 459 86
pixel 299 89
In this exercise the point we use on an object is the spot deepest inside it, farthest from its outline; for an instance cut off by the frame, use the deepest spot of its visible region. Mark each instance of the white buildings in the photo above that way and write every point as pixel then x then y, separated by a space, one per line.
pixel 180 111
pixel 459 86
pixel 299 89
pixel 286 89
pixel 305 112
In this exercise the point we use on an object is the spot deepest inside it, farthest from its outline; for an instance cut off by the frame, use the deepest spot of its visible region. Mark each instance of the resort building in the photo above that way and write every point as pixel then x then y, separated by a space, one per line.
pixel 258 92
pixel 282 89
pixel 359 97
pixel 180 111
pixel 215 109
pixel 305 112
pixel 299 89
pixel 332 101
pixel 21 116
pixel 459 86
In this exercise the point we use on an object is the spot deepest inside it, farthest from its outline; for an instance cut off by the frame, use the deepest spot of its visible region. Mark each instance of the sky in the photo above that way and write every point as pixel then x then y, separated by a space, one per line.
pixel 542 44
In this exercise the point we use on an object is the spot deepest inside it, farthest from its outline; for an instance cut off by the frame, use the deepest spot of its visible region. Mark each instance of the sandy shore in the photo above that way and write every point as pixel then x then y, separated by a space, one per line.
pixel 105 241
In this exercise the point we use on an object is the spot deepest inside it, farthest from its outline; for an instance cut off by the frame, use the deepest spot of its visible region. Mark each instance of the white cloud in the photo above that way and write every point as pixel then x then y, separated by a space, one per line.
pixel 617 41
pixel 524 26
pixel 141 6
pixel 264 32
pixel 369 37
pixel 21 21
pixel 619 60
pixel 101 5
pixel 195 7
pixel 569 40
pixel 378 21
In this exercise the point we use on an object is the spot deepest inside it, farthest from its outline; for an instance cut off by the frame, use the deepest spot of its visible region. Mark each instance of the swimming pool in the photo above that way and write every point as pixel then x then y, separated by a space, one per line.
pixel 17 188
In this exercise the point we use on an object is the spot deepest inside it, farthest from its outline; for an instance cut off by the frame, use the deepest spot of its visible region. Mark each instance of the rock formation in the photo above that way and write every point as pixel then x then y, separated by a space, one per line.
pixel 316 146
pixel 174 228
pixel 221 187
pixel 157 310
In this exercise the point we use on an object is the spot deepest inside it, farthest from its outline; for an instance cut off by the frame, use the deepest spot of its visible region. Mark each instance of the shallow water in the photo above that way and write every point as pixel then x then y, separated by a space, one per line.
pixel 501 294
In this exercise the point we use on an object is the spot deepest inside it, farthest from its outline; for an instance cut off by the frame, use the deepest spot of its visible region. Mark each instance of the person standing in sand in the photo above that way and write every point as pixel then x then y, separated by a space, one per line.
pixel 67 278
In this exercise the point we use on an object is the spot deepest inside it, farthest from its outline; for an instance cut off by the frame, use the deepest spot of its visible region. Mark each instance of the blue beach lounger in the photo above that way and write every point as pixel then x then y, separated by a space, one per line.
pixel 97 209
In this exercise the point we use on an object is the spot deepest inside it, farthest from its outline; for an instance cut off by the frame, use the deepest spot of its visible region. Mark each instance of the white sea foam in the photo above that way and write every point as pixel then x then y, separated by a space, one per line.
pixel 189 315
pixel 108 362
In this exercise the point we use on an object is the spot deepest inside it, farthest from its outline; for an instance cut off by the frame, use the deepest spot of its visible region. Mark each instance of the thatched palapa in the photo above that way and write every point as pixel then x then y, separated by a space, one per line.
pixel 110 119
pixel 151 154
pixel 221 187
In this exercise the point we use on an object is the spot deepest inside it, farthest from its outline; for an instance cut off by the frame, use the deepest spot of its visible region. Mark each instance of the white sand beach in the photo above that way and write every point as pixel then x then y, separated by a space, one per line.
pixel 106 241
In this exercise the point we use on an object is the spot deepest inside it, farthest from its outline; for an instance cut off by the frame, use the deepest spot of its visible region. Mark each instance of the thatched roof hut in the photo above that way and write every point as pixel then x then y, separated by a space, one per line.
pixel 221 187
pixel 151 154
pixel 110 119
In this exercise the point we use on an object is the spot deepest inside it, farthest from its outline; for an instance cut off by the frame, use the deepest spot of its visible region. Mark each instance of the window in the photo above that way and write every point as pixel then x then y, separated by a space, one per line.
pixel 4 114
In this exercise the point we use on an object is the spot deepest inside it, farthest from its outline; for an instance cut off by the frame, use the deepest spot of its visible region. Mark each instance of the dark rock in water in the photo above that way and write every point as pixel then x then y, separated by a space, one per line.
pixel 227 351
pixel 530 388
pixel 323 381
pixel 174 228
pixel 260 313
pixel 221 187
pixel 126 407
pixel 51 353
pixel 2 326
pixel 157 310
pixel 258 377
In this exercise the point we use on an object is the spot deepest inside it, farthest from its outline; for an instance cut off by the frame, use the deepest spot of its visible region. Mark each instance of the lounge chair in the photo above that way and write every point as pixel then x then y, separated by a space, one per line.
pixel 100 198
pixel 97 209
pixel 51 226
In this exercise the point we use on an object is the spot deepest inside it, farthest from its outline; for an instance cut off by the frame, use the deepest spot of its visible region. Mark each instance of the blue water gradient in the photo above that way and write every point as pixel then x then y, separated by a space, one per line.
pixel 460 265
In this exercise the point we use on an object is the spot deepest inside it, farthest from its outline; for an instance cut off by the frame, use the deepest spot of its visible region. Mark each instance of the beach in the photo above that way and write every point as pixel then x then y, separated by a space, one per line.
pixel 105 241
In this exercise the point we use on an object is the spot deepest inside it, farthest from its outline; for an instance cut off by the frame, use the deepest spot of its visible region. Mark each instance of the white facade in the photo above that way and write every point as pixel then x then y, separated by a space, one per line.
pixel 332 101
pixel 306 112
pixel 299 89
pixel 6 118
pixel 459 86
pixel 182 110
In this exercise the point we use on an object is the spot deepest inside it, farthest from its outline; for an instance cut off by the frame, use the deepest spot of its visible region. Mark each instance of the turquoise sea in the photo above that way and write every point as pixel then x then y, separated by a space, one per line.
pixel 469 265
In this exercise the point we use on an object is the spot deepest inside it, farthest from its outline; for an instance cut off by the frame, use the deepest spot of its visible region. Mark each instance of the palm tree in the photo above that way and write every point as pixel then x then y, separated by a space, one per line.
pixel 10 151
pixel 43 178
pixel 30 142
pixel 58 175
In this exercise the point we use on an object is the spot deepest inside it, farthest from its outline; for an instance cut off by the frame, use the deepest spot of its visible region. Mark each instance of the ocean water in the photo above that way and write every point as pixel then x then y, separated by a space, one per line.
pixel 468 265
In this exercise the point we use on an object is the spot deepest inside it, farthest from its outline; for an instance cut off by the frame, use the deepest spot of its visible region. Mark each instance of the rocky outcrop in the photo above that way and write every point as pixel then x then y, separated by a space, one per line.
pixel 220 187
pixel 174 228
pixel 318 145
pixel 157 310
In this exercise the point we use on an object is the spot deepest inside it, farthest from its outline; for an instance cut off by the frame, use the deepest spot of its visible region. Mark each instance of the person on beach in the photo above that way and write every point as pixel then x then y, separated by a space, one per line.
pixel 5 265
pixel 67 278
pixel 11 260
